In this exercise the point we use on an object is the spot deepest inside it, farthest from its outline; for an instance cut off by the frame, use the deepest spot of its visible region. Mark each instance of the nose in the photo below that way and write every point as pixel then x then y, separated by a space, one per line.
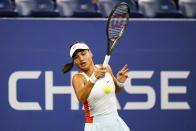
pixel 81 58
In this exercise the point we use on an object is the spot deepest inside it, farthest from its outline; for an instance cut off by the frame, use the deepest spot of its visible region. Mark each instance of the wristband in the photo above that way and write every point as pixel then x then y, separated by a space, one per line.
pixel 121 85
pixel 93 79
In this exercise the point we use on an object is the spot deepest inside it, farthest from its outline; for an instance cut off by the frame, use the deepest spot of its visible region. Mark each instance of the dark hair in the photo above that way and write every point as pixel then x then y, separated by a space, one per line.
pixel 69 66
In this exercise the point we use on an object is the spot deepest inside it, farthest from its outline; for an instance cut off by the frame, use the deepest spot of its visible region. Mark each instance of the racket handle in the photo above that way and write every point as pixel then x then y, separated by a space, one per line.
pixel 106 60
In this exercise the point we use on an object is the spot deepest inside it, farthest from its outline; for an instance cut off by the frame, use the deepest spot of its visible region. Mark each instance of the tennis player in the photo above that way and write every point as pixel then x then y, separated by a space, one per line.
pixel 95 86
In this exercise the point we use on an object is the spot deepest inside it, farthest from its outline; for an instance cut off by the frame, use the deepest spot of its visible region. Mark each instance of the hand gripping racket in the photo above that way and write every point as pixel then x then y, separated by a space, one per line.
pixel 116 25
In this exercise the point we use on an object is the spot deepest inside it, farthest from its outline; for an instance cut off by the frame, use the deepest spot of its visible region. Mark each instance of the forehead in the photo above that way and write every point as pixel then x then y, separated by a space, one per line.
pixel 78 52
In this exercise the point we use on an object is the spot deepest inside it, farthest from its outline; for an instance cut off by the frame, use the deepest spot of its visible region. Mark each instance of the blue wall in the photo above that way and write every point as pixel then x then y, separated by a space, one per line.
pixel 156 51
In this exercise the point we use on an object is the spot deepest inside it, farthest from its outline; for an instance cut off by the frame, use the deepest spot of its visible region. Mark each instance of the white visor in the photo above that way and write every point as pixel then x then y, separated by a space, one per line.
pixel 76 47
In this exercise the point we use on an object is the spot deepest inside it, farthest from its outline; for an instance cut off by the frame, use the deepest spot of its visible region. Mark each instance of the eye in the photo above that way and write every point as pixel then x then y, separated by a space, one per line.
pixel 75 57
pixel 83 53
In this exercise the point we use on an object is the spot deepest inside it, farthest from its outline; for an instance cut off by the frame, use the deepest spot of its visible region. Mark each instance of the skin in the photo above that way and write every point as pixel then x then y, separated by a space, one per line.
pixel 84 62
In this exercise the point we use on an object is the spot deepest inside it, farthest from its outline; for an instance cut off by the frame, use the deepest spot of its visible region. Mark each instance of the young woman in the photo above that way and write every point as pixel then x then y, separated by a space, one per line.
pixel 95 86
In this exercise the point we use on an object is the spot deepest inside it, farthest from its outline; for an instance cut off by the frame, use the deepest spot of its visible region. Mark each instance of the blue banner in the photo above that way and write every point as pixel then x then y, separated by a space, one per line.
pixel 36 96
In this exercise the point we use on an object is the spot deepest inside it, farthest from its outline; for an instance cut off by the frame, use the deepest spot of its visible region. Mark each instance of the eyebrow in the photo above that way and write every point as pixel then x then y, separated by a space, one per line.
pixel 79 52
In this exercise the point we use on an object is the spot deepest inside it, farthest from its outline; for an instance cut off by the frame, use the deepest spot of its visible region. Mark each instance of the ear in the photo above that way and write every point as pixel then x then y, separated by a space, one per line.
pixel 74 61
pixel 91 53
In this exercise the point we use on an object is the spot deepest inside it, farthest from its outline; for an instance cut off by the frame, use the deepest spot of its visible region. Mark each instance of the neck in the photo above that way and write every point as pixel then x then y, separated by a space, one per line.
pixel 90 70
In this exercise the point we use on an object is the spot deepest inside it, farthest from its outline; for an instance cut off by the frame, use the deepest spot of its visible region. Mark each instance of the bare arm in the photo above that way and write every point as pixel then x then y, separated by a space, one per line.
pixel 118 89
pixel 121 77
pixel 82 87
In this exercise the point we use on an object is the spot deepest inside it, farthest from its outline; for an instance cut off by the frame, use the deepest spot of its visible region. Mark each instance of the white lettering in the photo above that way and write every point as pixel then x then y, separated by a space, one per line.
pixel 12 90
pixel 148 90
pixel 166 90
pixel 50 90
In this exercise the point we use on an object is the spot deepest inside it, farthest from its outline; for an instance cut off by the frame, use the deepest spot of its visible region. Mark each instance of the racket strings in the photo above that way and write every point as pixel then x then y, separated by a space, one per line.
pixel 121 10
pixel 118 20
pixel 114 32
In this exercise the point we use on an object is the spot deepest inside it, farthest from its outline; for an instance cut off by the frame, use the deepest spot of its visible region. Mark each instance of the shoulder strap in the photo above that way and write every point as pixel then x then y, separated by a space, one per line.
pixel 87 78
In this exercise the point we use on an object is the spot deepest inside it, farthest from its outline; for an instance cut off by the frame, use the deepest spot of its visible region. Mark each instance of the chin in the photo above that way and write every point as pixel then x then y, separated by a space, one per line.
pixel 84 68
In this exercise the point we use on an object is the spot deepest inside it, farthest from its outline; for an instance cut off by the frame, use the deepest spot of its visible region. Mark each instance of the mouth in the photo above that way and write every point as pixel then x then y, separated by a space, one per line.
pixel 83 64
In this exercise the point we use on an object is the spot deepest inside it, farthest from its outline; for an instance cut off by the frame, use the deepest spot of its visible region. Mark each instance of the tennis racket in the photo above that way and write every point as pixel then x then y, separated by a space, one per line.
pixel 116 25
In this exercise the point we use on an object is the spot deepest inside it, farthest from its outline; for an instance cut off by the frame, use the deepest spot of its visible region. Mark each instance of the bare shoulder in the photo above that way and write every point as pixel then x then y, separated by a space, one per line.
pixel 78 77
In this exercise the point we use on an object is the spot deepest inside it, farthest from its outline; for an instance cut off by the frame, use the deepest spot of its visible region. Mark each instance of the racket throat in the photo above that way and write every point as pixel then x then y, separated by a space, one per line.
pixel 106 60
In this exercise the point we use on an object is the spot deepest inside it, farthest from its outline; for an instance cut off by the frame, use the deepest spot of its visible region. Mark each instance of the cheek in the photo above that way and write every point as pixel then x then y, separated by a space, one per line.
pixel 89 57
pixel 76 62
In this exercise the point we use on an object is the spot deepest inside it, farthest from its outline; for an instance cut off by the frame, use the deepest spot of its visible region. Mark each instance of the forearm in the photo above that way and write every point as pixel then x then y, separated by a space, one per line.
pixel 118 88
pixel 121 78
pixel 83 88
pixel 85 92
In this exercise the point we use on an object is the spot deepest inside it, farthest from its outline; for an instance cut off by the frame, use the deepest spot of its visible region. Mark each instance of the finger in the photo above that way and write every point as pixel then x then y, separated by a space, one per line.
pixel 120 73
pixel 102 71
pixel 126 76
pixel 102 75
pixel 102 67
pixel 124 67
pixel 125 71
pixel 95 69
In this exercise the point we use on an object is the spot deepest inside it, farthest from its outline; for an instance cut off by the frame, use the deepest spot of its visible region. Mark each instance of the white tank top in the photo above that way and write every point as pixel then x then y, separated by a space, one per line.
pixel 99 102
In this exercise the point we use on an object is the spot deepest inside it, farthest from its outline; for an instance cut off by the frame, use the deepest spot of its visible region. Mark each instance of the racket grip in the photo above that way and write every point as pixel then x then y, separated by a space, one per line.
pixel 106 60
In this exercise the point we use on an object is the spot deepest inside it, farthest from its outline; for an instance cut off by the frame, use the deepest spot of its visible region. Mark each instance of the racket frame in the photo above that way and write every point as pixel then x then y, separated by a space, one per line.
pixel 109 50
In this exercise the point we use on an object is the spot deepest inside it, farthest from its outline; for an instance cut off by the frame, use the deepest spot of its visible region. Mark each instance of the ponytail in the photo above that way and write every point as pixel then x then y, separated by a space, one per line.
pixel 67 67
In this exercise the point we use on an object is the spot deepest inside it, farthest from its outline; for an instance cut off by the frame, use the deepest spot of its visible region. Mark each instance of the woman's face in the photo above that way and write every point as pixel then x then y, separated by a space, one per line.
pixel 83 59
